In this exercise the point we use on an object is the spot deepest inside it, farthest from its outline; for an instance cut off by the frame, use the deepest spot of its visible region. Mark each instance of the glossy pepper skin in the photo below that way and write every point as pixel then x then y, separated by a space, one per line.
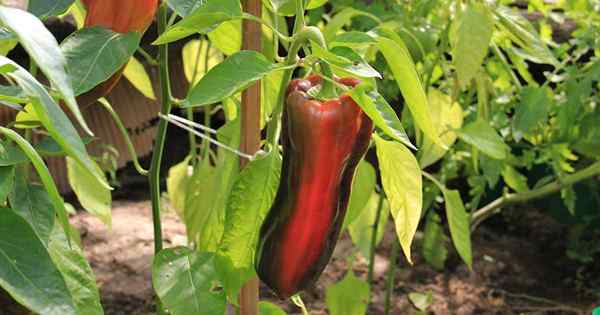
pixel 121 16
pixel 323 142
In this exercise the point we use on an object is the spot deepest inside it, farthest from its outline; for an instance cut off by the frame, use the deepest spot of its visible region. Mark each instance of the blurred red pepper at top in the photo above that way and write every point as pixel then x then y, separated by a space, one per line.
pixel 121 16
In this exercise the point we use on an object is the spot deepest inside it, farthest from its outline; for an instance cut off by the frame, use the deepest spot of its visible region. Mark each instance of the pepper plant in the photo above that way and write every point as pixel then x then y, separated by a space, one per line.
pixel 443 87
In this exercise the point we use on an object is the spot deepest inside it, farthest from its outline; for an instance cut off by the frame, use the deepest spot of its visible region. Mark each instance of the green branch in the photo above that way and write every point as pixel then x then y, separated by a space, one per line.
pixel 494 207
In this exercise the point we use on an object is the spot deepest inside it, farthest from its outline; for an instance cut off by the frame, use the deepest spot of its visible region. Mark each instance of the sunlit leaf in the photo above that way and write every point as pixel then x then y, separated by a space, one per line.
pixel 137 75
pixel 348 297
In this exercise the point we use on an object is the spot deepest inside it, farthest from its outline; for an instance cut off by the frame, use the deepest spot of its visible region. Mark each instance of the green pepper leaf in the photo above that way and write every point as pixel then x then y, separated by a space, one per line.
pixel 186 282
pixel 348 297
pixel 403 185
pixel 205 18
pixel 94 54
pixel 233 75
pixel 481 135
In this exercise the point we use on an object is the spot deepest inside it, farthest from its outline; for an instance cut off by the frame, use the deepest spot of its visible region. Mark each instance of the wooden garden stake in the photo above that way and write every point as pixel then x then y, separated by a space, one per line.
pixel 250 129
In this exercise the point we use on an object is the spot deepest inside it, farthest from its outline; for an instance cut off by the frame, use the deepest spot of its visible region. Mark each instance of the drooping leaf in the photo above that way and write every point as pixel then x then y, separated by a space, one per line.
pixel 186 282
pixel 27 271
pixel 94 54
pixel 137 75
pixel 94 198
pixel 348 297
pixel 483 137
pixel 459 222
pixel 342 18
pixel 250 200
pixel 405 73
pixel 402 182
pixel 233 75
pixel 205 18
pixel 471 33
pixel 380 112
pixel 43 48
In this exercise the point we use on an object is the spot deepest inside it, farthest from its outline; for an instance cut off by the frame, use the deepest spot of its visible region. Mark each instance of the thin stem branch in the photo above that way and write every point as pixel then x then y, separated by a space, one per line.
pixel 374 240
pixel 154 179
pixel 494 207
pixel 390 277
pixel 130 146
pixel 281 36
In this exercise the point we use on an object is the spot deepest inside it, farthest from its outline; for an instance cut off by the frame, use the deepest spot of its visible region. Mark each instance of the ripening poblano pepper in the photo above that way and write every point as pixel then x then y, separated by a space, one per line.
pixel 323 142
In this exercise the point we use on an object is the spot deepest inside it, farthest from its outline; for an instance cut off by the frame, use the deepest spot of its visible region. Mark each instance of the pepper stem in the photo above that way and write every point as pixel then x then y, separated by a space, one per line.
pixel 328 88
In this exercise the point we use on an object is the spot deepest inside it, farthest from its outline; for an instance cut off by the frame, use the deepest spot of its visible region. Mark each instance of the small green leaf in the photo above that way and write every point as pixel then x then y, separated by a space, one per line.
pixel 233 75
pixel 403 185
pixel 287 7
pixel 363 186
pixel 137 75
pixel 459 222
pixel 353 39
pixel 483 137
pixel 94 54
pixel 208 15
pixel 434 247
pixel 41 45
pixel 471 33
pixel 248 204
pixel 27 271
pixel 514 179
pixel 94 198
pixel 381 113
pixel 186 282
pixel 348 297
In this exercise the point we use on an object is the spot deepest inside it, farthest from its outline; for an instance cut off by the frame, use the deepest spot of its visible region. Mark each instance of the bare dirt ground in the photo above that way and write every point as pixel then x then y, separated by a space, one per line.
pixel 520 273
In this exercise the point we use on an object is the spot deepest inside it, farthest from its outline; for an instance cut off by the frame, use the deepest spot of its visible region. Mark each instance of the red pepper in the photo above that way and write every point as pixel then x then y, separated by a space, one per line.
pixel 323 142
pixel 121 16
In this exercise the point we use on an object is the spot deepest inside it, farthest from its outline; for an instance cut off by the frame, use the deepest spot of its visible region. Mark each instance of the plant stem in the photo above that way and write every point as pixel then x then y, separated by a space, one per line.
pixel 493 207
pixel 374 240
pixel 390 277
pixel 162 131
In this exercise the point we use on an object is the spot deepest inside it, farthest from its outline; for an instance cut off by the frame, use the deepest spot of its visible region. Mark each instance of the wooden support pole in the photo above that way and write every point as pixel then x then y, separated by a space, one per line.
pixel 250 129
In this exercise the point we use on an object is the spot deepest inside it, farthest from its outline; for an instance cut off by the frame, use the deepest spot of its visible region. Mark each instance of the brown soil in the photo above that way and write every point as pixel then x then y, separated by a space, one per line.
pixel 517 272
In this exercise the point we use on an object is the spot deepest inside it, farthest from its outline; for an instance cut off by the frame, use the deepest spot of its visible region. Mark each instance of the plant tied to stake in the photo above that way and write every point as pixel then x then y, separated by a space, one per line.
pixel 121 17
pixel 323 142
